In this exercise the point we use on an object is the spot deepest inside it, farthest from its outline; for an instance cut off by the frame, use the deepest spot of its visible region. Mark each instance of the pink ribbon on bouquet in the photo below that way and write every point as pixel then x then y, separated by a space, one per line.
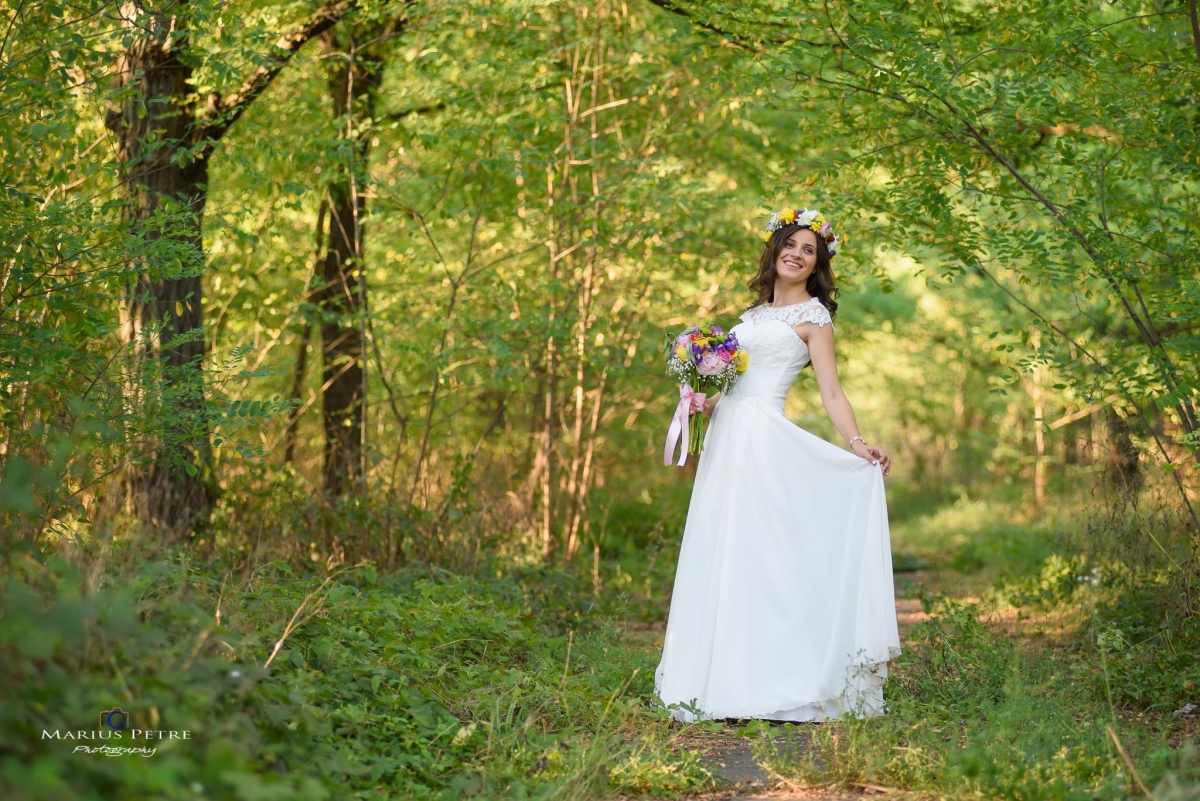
pixel 689 399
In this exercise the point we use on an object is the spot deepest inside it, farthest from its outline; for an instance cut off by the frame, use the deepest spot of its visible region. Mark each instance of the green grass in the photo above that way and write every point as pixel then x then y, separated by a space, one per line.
pixel 973 713
pixel 528 682
pixel 978 710
pixel 971 534
pixel 409 686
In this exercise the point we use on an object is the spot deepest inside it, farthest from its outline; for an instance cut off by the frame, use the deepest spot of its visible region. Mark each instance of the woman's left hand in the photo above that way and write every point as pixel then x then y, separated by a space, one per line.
pixel 874 454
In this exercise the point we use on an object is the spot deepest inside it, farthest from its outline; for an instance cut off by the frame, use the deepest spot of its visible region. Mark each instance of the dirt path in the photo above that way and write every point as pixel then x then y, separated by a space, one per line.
pixel 730 757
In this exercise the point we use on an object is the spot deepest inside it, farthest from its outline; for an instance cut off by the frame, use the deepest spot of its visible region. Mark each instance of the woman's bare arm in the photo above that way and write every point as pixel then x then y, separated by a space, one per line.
pixel 837 405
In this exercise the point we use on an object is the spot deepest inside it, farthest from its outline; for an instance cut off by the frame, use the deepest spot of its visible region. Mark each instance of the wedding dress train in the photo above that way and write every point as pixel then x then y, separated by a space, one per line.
pixel 783 604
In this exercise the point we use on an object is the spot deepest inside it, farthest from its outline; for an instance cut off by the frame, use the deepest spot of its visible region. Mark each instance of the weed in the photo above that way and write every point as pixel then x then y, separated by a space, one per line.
pixel 413 685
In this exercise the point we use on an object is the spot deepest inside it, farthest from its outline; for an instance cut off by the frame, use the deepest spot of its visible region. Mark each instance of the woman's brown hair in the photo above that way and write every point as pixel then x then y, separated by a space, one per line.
pixel 820 284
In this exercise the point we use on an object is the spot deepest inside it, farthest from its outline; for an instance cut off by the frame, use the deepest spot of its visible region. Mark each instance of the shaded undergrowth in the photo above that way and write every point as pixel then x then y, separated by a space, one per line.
pixel 980 708
pixel 350 684
pixel 1070 678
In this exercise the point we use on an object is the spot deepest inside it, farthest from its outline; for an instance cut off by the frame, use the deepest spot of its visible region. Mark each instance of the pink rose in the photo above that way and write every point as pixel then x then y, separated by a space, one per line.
pixel 825 229
pixel 711 364
pixel 725 355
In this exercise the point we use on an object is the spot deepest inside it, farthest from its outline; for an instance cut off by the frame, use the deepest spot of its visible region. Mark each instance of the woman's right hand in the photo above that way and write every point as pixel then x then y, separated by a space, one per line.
pixel 710 402
pixel 873 454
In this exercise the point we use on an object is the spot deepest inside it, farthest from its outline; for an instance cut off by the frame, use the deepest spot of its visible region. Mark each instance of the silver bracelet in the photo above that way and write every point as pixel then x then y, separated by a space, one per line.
pixel 860 439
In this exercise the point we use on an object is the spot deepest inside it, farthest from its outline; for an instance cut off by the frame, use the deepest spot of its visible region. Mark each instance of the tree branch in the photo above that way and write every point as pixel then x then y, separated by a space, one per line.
pixel 730 39
pixel 1195 28
pixel 222 113
pixel 679 11
pixel 396 116
pixel 1107 370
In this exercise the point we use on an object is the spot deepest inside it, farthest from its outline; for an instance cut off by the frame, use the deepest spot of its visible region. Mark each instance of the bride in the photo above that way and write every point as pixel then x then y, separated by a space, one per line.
pixel 783 605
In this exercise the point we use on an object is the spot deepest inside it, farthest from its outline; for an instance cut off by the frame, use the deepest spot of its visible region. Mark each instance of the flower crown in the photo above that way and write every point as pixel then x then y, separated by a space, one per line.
pixel 805 218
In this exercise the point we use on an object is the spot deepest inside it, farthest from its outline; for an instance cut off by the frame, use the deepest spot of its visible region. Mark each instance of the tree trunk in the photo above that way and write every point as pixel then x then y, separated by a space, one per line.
pixel 1039 427
pixel 165 138
pixel 1123 468
pixel 341 348
pixel 354 79
pixel 165 195
pixel 293 426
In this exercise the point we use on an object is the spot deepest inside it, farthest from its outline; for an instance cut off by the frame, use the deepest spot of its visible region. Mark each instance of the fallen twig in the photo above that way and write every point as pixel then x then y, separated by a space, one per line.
pixel 567 666
pixel 292 624
pixel 1137 777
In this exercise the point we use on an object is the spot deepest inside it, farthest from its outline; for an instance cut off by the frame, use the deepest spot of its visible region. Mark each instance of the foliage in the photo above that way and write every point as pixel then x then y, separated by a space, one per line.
pixel 969 713
pixel 546 186
pixel 411 685
pixel 1014 140
pixel 955 660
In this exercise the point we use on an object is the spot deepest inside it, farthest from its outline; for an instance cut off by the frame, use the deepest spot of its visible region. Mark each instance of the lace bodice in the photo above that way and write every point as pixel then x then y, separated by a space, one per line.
pixel 810 311
pixel 777 353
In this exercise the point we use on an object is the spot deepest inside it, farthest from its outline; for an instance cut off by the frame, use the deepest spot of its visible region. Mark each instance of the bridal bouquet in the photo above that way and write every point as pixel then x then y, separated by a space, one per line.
pixel 703 359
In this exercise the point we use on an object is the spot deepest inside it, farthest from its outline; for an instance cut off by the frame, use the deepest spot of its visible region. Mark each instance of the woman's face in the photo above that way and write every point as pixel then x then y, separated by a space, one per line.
pixel 798 258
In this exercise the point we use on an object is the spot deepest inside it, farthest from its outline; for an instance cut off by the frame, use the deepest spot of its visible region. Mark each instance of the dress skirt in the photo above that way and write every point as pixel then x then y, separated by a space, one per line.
pixel 783 606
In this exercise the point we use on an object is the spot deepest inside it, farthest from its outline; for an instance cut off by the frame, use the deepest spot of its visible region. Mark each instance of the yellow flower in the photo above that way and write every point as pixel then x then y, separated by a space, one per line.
pixel 787 216
pixel 682 353
pixel 743 360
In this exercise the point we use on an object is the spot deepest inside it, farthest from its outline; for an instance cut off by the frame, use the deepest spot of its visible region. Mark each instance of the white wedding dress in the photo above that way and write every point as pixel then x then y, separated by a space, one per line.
pixel 783 606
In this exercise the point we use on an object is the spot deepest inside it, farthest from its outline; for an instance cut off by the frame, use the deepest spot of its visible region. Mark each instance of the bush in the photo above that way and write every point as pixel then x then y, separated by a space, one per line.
pixel 952 660
pixel 413 685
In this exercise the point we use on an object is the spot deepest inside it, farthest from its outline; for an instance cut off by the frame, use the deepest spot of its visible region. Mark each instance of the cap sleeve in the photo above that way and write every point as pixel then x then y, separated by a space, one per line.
pixel 810 313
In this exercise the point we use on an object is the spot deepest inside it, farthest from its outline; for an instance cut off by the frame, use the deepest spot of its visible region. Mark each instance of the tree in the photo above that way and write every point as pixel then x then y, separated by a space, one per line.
pixel 167 131
pixel 355 67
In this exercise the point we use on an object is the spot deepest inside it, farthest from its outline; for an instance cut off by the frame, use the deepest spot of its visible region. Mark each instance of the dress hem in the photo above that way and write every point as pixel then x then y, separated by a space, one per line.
pixel 806 711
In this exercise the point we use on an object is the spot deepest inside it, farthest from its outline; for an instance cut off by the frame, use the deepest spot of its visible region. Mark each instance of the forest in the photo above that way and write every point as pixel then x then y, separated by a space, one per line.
pixel 332 391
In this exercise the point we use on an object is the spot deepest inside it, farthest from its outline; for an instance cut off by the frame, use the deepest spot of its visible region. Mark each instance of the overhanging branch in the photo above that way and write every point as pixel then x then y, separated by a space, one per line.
pixel 1107 370
pixel 729 38
pixel 222 113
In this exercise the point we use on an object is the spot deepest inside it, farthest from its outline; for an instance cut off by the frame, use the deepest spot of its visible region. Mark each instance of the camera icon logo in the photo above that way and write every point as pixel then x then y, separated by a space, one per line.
pixel 115 718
